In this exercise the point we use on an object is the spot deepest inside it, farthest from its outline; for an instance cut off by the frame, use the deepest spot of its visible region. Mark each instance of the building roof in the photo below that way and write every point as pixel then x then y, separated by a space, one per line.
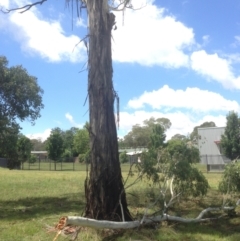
pixel 39 152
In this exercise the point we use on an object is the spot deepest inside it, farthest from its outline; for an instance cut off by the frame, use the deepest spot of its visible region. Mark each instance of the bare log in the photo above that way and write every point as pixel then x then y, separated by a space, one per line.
pixel 101 224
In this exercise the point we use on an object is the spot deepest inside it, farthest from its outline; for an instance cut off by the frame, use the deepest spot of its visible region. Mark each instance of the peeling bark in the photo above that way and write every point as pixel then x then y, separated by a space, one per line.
pixel 104 187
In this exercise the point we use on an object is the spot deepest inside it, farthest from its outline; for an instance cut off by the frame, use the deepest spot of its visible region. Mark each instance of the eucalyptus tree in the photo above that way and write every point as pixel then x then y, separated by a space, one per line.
pixel 104 190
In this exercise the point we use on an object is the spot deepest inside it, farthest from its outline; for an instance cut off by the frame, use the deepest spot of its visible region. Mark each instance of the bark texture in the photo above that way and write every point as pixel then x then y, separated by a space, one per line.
pixel 104 186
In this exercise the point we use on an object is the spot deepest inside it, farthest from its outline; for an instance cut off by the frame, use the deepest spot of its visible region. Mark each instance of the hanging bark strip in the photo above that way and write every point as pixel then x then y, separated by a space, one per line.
pixel 104 187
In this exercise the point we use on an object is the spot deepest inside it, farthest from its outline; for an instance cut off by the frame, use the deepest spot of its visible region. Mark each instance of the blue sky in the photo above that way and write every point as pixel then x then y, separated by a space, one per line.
pixel 174 59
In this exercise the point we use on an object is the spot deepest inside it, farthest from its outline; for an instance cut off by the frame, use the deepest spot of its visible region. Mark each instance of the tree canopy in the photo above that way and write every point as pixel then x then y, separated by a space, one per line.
pixel 140 134
pixel 230 141
pixel 54 144
pixel 20 99
pixel 20 94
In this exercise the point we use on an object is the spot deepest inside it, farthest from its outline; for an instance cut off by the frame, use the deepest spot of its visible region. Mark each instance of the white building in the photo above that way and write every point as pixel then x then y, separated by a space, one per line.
pixel 209 139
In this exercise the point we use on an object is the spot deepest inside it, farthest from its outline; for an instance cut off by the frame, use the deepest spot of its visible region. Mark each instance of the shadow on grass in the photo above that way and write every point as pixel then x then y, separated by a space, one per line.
pixel 36 207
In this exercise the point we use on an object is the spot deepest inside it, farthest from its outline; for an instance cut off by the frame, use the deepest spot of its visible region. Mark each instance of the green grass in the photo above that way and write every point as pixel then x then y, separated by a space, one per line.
pixel 32 199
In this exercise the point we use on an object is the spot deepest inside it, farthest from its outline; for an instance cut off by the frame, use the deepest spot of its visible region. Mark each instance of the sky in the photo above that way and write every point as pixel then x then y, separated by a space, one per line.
pixel 177 59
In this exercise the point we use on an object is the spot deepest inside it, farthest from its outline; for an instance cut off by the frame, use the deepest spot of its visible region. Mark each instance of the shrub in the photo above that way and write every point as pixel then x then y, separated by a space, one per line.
pixel 230 182
pixel 123 157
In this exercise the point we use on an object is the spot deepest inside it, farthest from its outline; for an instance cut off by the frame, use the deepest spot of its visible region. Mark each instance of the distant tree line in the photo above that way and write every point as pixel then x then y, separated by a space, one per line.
pixel 139 136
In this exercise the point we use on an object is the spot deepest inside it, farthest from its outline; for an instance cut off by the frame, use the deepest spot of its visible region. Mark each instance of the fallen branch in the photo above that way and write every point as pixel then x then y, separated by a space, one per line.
pixel 101 224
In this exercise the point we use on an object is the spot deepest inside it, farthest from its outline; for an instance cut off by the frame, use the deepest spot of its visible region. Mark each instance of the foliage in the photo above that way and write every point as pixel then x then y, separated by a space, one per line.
pixel 20 99
pixel 81 141
pixel 24 147
pixel 140 134
pixel 8 144
pixel 32 158
pixel 194 134
pixel 158 136
pixel 54 144
pixel 175 160
pixel 84 157
pixel 230 182
pixel 123 157
pixel 20 95
pixel 230 141
pixel 68 138
pixel 179 137
pixel 38 145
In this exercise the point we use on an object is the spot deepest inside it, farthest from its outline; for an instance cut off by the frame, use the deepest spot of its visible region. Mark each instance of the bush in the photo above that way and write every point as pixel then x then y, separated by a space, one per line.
pixel 123 157
pixel 230 182
pixel 32 159
pixel 84 158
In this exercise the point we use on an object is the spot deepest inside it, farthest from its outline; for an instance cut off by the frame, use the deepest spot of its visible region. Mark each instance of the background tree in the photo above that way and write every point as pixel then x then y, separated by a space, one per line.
pixel 8 143
pixel 38 145
pixel 230 141
pixel 140 134
pixel 24 147
pixel 124 157
pixel 54 145
pixel 179 137
pixel 20 98
pixel 20 95
pixel 81 144
pixel 68 137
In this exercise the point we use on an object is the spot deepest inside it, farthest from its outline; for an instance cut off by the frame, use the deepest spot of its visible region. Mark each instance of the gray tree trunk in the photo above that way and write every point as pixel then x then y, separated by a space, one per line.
pixel 104 187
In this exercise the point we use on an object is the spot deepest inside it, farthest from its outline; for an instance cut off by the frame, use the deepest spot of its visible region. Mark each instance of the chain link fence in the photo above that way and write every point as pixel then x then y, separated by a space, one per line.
pixel 72 164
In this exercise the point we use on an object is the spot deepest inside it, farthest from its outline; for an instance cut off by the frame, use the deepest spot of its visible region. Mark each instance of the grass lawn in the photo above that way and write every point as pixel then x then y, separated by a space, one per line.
pixel 32 199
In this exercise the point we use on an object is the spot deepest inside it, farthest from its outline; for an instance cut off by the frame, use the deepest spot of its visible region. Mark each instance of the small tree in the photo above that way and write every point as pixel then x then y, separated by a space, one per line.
pixel 230 141
pixel 54 145
pixel 24 147
pixel 81 141
pixel 175 162
pixel 123 157
pixel 230 182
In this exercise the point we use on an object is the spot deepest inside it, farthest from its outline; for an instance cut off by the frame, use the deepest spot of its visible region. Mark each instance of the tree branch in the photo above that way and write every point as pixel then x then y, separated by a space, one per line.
pixel 101 224
pixel 24 8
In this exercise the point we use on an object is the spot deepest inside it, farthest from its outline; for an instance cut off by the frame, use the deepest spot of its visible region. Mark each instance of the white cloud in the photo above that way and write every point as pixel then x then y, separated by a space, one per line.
pixel 206 40
pixel 42 136
pixel 80 23
pixel 4 4
pixel 44 37
pixel 150 37
pixel 214 67
pixel 193 99
pixel 69 117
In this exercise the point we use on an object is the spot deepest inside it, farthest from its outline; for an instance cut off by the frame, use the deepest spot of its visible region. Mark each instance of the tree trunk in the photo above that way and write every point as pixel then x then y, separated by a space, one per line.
pixel 104 190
